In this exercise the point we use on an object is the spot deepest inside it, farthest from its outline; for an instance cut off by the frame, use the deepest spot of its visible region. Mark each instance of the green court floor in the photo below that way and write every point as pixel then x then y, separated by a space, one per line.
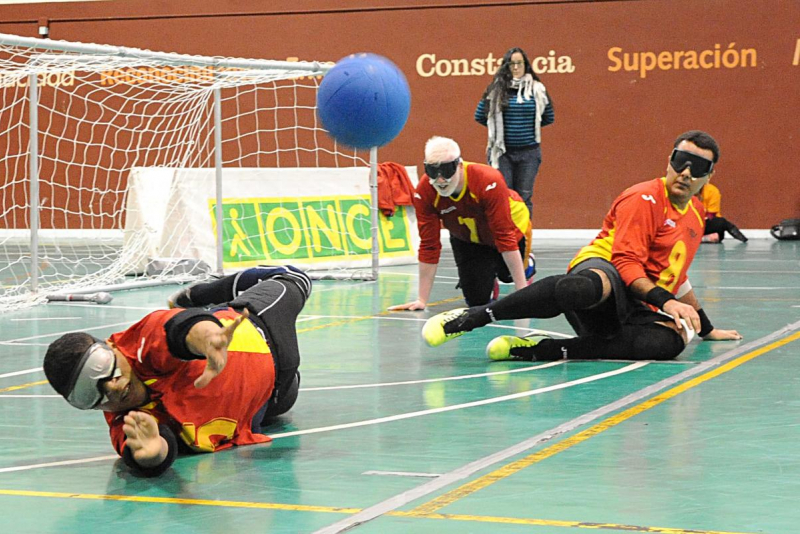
pixel 392 436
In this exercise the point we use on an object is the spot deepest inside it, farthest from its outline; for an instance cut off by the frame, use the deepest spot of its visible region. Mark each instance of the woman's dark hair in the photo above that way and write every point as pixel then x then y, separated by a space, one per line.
pixel 502 78
pixel 62 356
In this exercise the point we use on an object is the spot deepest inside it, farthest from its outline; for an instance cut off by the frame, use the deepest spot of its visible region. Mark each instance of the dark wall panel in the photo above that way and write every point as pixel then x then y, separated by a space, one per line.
pixel 614 126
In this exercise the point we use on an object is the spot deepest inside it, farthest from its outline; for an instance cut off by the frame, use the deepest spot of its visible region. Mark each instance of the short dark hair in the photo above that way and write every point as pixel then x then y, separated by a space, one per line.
pixel 62 356
pixel 701 140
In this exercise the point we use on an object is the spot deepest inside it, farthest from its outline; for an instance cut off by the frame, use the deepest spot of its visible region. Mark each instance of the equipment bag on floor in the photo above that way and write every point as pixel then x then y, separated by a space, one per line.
pixel 788 229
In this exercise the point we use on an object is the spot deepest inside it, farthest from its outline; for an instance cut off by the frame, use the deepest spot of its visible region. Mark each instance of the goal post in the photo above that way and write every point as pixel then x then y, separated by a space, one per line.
pixel 127 167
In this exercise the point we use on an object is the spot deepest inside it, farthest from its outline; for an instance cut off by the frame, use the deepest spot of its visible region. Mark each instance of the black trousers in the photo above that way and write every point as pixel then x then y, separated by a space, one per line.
pixel 478 265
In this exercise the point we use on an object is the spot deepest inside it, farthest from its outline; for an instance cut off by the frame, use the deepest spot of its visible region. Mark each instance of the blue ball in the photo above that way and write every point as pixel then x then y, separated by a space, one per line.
pixel 364 101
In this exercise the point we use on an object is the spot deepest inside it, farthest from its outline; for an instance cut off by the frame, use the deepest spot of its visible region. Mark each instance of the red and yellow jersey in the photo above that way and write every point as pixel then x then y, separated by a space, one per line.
pixel 209 419
pixel 645 236
pixel 712 200
pixel 485 212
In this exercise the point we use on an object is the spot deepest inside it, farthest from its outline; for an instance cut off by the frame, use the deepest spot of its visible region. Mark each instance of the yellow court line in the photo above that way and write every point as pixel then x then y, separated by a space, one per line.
pixel 23 386
pixel 557 523
pixel 172 500
pixel 350 511
pixel 508 470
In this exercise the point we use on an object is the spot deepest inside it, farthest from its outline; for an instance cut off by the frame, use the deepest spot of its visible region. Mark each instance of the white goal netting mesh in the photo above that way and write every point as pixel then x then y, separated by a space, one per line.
pixel 119 151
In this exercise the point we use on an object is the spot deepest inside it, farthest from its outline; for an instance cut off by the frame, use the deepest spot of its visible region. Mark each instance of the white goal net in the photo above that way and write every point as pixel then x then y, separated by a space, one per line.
pixel 125 167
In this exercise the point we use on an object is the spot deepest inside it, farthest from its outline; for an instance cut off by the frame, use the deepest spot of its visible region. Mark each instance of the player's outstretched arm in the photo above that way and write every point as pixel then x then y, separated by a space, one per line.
pixel 722 335
pixel 211 340
pixel 427 273
pixel 714 334
pixel 414 305
pixel 147 446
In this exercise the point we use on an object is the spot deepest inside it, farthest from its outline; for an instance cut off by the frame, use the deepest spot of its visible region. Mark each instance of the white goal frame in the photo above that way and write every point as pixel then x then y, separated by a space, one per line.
pixel 33 288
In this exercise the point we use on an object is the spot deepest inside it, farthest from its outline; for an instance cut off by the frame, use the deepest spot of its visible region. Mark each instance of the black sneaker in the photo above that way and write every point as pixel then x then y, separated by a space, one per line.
pixel 737 234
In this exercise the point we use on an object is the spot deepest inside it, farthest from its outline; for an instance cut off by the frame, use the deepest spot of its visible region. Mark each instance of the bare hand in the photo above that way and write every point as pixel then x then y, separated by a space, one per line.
pixel 722 335
pixel 143 439
pixel 215 341
pixel 678 310
pixel 415 305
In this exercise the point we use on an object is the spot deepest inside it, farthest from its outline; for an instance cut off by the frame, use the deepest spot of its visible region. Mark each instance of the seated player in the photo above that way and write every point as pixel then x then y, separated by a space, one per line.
pixel 191 379
pixel 716 225
pixel 626 294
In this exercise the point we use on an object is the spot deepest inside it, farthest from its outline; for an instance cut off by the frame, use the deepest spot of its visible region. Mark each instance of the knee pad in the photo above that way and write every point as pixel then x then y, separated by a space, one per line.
pixel 661 342
pixel 579 291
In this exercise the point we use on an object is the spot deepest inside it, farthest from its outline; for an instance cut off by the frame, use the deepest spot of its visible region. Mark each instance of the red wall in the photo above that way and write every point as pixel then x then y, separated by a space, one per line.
pixel 612 129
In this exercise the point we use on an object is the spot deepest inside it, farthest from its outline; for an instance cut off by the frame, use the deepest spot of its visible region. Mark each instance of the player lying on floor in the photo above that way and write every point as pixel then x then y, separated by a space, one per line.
pixel 188 378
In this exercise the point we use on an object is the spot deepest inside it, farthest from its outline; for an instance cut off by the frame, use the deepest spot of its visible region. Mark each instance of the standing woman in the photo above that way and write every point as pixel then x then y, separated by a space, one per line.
pixel 514 107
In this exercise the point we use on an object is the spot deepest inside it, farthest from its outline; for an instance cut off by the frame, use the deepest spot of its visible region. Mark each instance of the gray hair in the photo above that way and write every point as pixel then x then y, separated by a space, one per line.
pixel 441 149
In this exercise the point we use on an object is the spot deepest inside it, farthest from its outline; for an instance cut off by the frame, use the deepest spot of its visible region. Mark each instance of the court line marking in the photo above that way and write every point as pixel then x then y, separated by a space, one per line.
pixel 745 288
pixel 334 510
pixel 53 396
pixel 514 467
pixel 560 523
pixel 58 334
pixel 398 417
pixel 492 400
pixel 173 500
pixel 429 380
pixel 321 388
pixel 22 386
pixel 39 319
pixel 357 386
pixel 24 372
pixel 93 305
pixel 401 499
pixel 57 464
pixel 402 474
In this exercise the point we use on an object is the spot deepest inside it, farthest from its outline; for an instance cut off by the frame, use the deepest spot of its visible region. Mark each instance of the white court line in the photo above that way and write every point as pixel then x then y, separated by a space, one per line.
pixel 58 464
pixel 18 342
pixel 779 288
pixel 461 473
pixel 12 396
pixel 25 372
pixel 88 329
pixel 334 388
pixel 400 317
pixel 384 384
pixel 429 380
pixel 74 304
pixel 402 474
pixel 493 400
pixel 36 319
pixel 379 420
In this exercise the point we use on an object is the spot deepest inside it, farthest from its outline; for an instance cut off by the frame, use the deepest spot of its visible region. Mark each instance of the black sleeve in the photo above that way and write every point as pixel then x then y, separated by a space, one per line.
pixel 172 453
pixel 177 328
